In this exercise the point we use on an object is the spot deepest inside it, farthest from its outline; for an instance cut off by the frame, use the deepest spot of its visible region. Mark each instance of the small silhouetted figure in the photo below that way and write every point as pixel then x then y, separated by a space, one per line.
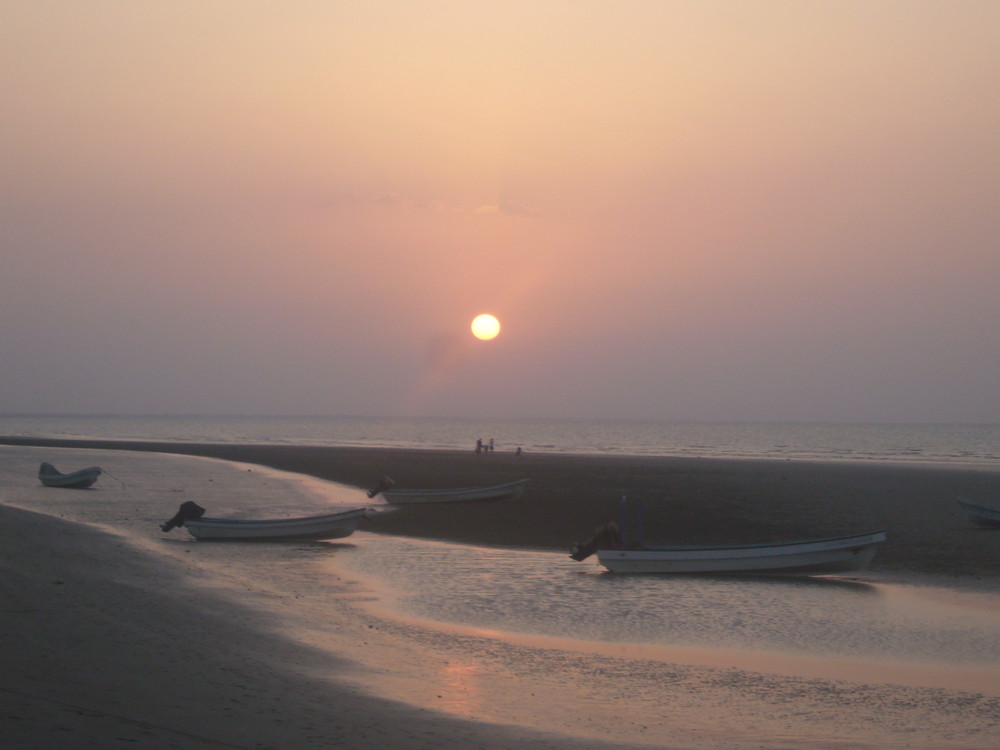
pixel 479 445
pixel 518 451
pixel 491 444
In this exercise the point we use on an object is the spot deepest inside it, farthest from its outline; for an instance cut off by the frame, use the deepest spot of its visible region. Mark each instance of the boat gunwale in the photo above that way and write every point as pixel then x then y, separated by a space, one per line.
pixel 209 522
pixel 795 547
pixel 978 505
pixel 79 479
pixel 981 514
pixel 87 470
pixel 456 490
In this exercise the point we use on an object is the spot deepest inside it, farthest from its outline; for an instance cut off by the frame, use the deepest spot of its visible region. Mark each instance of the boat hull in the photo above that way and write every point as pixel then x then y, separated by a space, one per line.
pixel 76 480
pixel 496 492
pixel 979 513
pixel 327 526
pixel 815 557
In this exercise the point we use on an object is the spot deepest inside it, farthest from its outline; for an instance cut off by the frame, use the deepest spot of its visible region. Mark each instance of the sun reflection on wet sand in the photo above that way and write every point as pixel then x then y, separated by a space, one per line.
pixel 460 688
pixel 937 673
pixel 865 665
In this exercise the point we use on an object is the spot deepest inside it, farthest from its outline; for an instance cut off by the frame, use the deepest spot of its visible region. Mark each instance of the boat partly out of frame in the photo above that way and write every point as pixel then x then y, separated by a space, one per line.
pixel 324 526
pixel 810 557
pixel 50 476
pixel 980 513
pixel 507 491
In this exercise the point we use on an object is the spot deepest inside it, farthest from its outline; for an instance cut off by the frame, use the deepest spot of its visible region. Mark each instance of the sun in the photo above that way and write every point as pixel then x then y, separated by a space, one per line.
pixel 485 327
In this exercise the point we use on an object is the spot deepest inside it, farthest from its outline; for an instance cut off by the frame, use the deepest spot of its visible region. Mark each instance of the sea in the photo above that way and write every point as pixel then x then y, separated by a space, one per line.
pixel 860 662
pixel 922 443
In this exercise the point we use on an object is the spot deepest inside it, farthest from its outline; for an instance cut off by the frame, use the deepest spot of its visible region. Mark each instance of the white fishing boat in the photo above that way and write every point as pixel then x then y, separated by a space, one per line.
pixel 980 513
pixel 324 526
pixel 808 557
pixel 50 476
pixel 507 491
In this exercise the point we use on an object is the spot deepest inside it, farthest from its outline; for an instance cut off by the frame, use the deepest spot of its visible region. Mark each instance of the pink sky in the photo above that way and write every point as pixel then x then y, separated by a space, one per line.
pixel 678 210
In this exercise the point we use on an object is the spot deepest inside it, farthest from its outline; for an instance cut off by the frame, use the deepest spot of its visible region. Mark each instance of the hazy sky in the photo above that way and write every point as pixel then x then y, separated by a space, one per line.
pixel 707 210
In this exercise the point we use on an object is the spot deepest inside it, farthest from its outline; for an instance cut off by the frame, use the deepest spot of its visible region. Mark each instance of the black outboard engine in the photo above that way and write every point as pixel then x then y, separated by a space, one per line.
pixel 189 511
pixel 384 483
pixel 608 536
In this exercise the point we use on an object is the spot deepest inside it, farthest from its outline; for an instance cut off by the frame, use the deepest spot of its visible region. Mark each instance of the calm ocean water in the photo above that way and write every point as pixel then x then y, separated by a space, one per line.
pixel 935 443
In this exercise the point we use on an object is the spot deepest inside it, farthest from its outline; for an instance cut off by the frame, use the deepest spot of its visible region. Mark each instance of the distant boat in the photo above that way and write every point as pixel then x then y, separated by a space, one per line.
pixel 508 491
pixel 809 557
pixel 50 476
pixel 325 526
pixel 980 513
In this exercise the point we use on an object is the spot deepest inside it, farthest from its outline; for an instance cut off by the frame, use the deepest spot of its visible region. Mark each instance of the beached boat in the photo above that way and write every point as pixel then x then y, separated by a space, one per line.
pixel 50 476
pixel 508 491
pixel 980 513
pixel 809 557
pixel 325 526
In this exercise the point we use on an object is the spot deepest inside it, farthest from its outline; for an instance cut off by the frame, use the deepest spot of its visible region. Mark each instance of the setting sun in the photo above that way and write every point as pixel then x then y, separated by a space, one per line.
pixel 485 327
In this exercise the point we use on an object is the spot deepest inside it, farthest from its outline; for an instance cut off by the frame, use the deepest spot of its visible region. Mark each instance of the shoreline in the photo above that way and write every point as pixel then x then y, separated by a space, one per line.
pixel 200 447
pixel 684 500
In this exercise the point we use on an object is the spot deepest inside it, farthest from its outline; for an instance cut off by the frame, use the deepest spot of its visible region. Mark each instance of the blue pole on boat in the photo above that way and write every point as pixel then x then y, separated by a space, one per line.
pixel 639 531
pixel 631 521
pixel 623 520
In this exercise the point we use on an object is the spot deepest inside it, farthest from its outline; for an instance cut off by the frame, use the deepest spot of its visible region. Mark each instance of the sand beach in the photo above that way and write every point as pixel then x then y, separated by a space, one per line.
pixel 685 500
pixel 121 643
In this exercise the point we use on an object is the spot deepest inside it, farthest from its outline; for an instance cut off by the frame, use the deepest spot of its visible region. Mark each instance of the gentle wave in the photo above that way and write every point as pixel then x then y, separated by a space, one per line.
pixel 915 443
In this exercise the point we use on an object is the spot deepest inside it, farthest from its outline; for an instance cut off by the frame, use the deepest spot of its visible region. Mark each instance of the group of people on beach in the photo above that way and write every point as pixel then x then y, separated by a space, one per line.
pixel 482 447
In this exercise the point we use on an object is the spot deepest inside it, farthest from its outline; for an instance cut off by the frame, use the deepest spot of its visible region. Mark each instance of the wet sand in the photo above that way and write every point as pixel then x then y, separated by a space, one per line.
pixel 104 659
pixel 94 657
pixel 684 500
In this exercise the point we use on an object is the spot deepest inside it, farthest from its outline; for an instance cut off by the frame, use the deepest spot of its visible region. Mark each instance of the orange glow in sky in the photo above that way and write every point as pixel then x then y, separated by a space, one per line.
pixel 691 210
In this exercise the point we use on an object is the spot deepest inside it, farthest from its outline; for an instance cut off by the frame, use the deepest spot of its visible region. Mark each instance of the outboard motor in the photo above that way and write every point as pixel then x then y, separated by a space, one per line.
pixel 384 483
pixel 188 511
pixel 608 536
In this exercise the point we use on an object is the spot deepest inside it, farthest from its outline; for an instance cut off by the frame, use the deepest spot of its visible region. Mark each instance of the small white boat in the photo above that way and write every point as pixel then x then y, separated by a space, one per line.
pixel 809 557
pixel 508 491
pixel 980 513
pixel 50 476
pixel 325 526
